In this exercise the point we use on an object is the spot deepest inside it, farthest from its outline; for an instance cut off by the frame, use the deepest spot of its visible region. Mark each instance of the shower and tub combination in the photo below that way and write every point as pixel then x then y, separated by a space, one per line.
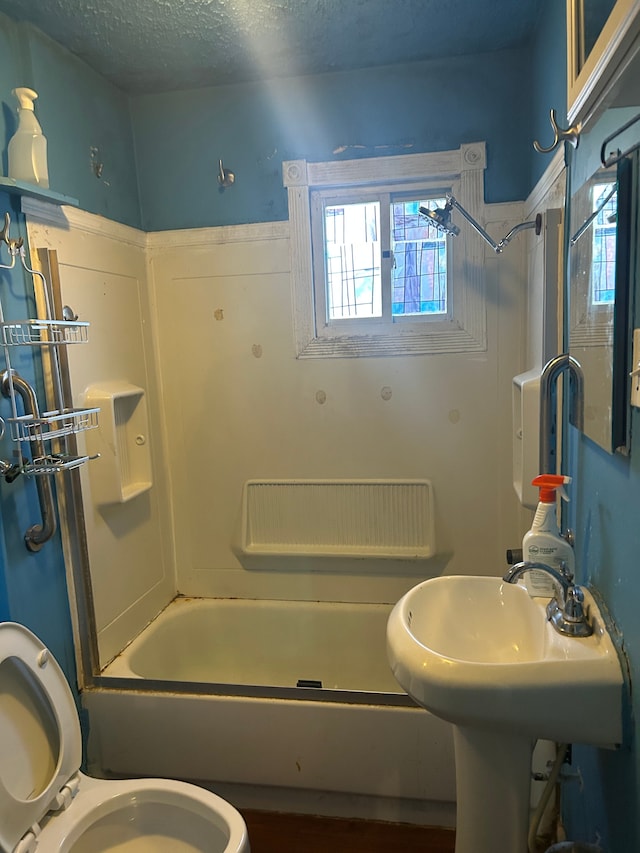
pixel 230 627
pixel 276 699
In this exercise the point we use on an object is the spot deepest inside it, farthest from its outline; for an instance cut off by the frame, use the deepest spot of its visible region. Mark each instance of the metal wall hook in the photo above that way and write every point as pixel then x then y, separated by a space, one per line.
pixel 4 236
pixel 226 178
pixel 571 135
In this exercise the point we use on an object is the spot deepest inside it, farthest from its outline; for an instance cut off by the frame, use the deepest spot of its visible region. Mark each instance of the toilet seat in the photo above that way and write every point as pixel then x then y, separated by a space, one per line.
pixel 135 816
pixel 48 805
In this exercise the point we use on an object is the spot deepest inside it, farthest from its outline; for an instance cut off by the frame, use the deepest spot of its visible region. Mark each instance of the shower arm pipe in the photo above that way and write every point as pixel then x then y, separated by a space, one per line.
pixel 548 417
pixel 497 247
pixel 37 534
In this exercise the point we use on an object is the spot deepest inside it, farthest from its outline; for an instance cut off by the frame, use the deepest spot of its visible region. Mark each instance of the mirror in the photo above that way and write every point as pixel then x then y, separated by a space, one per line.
pixel 591 17
pixel 599 266
pixel 603 56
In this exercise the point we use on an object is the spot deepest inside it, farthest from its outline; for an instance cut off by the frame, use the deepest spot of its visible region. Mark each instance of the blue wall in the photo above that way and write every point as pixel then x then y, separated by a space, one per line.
pixel 78 110
pixel 546 86
pixel 604 514
pixel 602 803
pixel 423 106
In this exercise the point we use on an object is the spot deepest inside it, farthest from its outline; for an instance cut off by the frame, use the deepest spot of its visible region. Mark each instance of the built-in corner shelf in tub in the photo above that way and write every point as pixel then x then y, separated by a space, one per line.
pixel 358 519
pixel 123 470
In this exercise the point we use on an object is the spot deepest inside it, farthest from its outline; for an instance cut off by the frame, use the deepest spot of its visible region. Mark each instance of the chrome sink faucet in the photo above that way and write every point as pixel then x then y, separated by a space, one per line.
pixel 566 611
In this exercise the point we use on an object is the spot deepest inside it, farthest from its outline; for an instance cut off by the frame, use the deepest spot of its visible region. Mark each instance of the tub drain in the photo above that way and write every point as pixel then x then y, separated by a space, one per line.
pixel 309 682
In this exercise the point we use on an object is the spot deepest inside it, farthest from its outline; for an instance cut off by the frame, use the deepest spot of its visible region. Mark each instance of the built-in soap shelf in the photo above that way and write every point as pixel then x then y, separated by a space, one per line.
pixel 357 519
pixel 123 470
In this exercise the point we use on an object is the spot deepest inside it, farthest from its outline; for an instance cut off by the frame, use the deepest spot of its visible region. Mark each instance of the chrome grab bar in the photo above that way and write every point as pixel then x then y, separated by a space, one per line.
pixel 37 534
pixel 548 417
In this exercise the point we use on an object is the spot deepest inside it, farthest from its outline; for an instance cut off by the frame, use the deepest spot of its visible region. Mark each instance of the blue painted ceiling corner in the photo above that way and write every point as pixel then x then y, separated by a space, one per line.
pixel 151 46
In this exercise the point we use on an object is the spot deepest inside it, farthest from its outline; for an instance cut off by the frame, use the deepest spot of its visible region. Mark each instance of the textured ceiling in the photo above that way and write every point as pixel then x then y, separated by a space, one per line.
pixel 161 45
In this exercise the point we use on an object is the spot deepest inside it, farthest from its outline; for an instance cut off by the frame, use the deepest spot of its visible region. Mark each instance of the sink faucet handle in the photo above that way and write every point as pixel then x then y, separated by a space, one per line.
pixel 574 605
pixel 565 571
pixel 570 618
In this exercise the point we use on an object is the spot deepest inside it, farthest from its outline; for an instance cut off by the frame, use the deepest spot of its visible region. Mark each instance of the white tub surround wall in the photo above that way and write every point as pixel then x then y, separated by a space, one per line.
pixel 103 277
pixel 205 329
pixel 246 409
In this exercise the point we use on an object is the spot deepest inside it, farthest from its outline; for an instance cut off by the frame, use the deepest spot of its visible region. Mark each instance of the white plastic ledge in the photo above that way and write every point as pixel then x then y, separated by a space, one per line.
pixel 381 519
pixel 123 469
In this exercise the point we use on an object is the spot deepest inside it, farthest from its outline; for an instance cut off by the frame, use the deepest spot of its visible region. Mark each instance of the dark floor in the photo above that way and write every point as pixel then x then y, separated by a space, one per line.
pixel 271 832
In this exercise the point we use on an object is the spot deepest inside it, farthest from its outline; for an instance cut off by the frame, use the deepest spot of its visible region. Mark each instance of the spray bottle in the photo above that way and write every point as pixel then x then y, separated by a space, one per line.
pixel 543 543
pixel 28 146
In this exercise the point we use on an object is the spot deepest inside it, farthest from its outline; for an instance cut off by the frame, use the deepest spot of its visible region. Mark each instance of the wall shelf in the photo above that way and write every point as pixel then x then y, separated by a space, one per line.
pixel 123 469
pixel 21 188
pixel 380 519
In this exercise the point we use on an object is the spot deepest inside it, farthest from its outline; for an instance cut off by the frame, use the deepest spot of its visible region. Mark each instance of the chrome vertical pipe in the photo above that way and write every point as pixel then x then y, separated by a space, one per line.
pixel 549 412
pixel 37 534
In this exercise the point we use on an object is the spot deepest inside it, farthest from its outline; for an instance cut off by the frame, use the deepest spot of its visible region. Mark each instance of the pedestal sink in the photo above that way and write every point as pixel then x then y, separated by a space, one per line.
pixel 480 653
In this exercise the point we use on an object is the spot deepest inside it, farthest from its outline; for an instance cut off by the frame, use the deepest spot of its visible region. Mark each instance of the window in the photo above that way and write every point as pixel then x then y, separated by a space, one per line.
pixel 379 260
pixel 370 275
pixel 603 262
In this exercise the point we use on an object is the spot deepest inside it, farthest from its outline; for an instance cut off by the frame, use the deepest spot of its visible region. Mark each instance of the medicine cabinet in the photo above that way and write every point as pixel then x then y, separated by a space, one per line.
pixel 603 57
pixel 602 229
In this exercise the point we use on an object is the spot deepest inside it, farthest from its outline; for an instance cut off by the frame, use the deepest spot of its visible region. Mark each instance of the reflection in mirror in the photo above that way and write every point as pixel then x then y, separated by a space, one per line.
pixel 599 266
pixel 592 16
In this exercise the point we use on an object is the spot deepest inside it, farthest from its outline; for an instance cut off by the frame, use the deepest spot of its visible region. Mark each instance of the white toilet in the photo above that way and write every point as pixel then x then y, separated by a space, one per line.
pixel 48 806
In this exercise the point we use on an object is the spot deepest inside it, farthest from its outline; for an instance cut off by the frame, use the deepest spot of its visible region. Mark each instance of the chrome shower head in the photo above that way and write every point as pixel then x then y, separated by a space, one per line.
pixel 440 218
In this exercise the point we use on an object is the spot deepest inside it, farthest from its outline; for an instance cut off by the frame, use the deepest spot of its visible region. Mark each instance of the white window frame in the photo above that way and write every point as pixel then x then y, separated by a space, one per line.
pixel 463 329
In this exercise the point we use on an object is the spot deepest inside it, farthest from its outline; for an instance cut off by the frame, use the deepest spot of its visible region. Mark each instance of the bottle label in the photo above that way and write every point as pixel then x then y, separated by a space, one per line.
pixel 537 552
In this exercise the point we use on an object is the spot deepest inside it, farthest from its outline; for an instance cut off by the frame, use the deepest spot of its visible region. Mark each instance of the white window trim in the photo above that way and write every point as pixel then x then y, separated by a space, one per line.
pixel 462 169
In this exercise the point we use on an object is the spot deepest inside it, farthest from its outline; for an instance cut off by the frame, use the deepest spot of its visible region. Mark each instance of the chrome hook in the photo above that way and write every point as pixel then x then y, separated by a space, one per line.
pixel 4 236
pixel 571 135
pixel 226 178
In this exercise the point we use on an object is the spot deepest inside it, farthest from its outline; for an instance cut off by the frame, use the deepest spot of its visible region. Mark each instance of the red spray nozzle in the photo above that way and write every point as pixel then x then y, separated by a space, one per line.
pixel 549 484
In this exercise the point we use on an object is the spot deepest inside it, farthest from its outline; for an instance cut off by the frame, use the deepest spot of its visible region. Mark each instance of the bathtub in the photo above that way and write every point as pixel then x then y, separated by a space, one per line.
pixel 273 704
pixel 329 645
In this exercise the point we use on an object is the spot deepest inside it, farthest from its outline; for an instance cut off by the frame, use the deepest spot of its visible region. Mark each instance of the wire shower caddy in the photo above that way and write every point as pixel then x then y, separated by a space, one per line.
pixel 34 429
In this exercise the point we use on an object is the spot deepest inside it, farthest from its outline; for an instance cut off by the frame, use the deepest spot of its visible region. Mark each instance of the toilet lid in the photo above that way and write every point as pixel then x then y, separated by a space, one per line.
pixel 40 742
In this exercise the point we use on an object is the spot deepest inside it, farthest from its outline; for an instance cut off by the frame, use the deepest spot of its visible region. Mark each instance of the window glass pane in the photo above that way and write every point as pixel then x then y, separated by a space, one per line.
pixel 419 270
pixel 352 251
pixel 603 265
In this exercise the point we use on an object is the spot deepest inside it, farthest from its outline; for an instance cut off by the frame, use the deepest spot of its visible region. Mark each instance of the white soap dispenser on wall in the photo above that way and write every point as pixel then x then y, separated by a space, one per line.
pixel 28 146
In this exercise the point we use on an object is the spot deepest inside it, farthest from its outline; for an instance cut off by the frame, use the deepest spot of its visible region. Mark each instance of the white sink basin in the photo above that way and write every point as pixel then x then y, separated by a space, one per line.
pixel 478 651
